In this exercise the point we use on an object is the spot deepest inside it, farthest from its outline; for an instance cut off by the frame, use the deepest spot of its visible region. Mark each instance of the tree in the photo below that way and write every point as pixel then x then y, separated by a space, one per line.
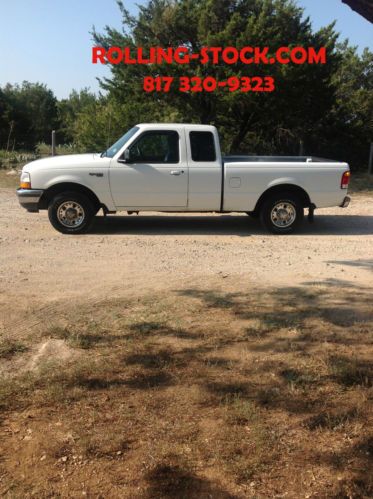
pixel 5 121
pixel 93 122
pixel 31 113
pixel 348 129
pixel 69 110
pixel 305 93
pixel 363 7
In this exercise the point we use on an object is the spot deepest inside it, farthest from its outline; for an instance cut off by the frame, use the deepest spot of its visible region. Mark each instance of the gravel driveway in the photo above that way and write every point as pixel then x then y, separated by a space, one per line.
pixel 136 254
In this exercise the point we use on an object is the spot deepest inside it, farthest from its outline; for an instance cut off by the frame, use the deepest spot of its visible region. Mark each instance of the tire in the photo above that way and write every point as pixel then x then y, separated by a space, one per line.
pixel 282 213
pixel 71 213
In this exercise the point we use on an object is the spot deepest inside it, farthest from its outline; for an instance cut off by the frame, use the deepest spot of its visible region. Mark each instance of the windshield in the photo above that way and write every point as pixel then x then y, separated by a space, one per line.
pixel 111 152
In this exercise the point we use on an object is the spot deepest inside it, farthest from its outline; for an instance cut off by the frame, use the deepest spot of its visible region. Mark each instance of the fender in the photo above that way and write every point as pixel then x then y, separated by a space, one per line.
pixel 284 184
pixel 285 181
pixel 99 186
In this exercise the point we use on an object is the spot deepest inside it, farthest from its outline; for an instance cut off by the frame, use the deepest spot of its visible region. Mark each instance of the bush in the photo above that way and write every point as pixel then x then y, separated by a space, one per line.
pixel 13 158
pixel 42 149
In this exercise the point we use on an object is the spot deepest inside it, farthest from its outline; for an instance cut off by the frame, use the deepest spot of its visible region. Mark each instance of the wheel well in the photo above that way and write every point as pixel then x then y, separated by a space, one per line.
pixel 50 193
pixel 288 188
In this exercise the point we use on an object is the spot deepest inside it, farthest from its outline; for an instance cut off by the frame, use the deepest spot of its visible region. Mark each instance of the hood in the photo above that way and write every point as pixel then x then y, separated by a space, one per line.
pixel 68 161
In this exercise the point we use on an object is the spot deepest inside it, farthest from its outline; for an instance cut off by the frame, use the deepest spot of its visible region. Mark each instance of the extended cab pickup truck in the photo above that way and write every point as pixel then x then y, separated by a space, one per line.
pixel 179 168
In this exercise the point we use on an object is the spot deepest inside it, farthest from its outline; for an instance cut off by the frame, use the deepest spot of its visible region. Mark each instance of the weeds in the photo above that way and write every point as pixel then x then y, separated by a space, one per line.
pixel 332 421
pixel 89 336
pixel 15 392
pixel 298 379
pixel 248 445
pixel 108 442
pixel 15 158
pixel 361 182
pixel 9 347
pixel 240 410
pixel 351 371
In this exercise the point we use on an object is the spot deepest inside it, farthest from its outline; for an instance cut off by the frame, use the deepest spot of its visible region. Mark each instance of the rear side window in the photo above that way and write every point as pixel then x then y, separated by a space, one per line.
pixel 202 146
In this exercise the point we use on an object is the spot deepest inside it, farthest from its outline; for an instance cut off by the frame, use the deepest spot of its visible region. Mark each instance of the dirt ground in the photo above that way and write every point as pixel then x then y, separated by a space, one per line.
pixel 138 254
pixel 186 356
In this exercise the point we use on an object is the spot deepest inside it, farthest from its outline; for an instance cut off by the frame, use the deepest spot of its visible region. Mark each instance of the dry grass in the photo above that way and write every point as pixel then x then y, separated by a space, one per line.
pixel 9 347
pixel 85 336
pixel 198 394
pixel 11 181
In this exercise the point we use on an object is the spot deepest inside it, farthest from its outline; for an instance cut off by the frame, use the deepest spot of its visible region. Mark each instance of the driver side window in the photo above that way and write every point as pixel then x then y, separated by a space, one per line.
pixel 156 147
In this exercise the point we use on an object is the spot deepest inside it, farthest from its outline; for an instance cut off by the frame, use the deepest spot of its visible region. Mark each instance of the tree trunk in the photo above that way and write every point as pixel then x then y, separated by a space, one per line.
pixel 363 7
pixel 240 136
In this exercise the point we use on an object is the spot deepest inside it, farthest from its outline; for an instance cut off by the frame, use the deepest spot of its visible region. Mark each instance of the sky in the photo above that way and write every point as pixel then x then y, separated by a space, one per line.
pixel 49 41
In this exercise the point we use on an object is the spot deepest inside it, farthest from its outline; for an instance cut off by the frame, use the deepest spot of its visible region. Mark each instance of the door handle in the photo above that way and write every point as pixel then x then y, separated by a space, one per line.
pixel 176 172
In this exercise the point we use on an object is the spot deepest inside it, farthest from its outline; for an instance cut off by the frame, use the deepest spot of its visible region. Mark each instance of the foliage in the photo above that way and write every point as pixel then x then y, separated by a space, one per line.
pixel 42 149
pixel 104 122
pixel 70 108
pixel 348 127
pixel 28 115
pixel 309 105
pixel 328 108
pixel 15 158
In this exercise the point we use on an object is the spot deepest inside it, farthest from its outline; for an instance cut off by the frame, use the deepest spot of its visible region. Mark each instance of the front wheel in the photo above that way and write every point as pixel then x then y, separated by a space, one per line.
pixel 282 214
pixel 71 213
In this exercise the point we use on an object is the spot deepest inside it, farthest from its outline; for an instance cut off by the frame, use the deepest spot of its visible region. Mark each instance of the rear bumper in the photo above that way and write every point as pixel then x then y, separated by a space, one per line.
pixel 345 202
pixel 29 199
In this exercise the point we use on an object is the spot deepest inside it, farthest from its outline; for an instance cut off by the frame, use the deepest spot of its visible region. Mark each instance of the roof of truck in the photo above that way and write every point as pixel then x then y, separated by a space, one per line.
pixel 180 125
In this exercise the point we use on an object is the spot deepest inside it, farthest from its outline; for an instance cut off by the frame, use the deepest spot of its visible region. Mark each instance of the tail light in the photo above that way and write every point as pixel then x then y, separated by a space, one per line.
pixel 345 180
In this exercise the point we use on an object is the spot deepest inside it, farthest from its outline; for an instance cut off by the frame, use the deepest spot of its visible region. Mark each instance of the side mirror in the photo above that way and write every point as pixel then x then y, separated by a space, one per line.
pixel 126 157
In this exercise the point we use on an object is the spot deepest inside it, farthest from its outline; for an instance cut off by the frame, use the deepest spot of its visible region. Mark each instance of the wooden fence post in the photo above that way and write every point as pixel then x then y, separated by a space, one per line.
pixel 10 133
pixel 370 164
pixel 53 142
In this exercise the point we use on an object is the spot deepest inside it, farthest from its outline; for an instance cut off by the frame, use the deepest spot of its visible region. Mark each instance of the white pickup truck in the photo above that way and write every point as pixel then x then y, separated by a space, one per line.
pixel 180 168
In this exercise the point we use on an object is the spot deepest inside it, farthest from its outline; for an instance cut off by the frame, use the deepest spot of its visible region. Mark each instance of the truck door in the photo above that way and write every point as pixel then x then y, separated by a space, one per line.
pixel 156 173
pixel 205 170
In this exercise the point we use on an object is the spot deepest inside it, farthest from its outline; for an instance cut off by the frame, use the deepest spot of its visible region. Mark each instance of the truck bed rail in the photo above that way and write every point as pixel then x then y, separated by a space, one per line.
pixel 277 159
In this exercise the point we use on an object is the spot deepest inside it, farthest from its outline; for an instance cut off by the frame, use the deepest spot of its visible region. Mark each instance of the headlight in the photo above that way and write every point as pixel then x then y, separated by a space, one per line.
pixel 25 181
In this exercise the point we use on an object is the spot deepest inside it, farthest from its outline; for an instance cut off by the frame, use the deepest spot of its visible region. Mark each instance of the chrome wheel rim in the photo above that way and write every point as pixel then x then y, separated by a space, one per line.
pixel 70 214
pixel 283 214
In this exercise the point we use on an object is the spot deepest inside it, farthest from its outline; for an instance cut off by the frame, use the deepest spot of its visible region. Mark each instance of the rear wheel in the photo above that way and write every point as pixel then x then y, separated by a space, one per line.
pixel 282 213
pixel 71 213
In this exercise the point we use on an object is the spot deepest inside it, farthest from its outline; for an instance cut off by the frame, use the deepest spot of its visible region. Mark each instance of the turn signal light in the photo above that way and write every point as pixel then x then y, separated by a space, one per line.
pixel 25 180
pixel 345 180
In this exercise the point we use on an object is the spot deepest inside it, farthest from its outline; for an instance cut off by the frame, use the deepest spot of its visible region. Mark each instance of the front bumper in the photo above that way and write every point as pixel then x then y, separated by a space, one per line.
pixel 29 198
pixel 345 202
